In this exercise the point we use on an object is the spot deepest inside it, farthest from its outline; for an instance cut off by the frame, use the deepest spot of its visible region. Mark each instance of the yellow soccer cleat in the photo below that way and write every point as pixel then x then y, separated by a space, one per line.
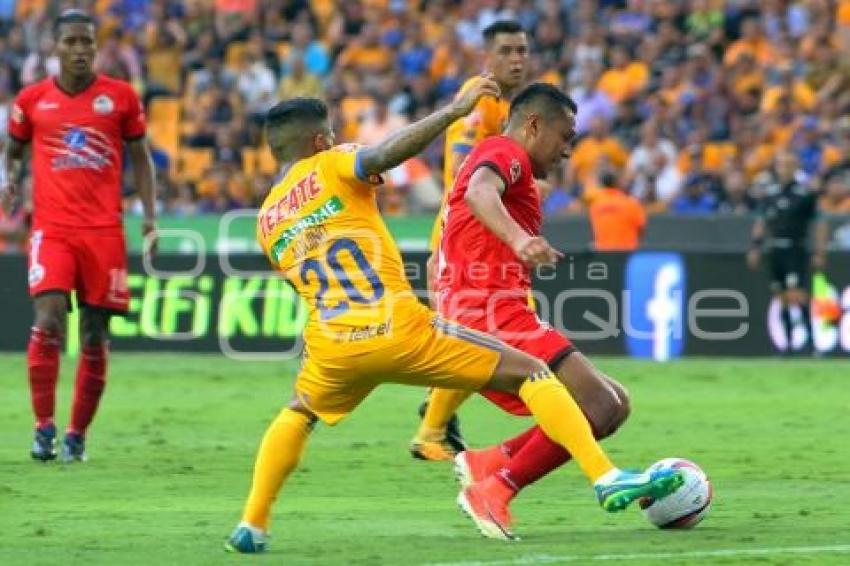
pixel 433 450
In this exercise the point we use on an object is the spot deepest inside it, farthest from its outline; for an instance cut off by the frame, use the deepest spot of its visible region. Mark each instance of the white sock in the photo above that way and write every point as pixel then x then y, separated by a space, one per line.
pixel 608 477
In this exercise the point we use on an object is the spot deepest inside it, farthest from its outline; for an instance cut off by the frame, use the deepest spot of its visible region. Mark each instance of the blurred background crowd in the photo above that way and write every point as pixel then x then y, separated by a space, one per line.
pixel 682 103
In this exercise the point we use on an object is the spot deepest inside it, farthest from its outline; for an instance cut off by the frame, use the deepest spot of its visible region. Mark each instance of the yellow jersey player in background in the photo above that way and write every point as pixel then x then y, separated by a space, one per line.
pixel 320 227
pixel 506 58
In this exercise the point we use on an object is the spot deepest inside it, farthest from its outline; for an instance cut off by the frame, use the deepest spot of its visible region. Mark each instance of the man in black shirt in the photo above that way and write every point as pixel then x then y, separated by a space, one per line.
pixel 786 212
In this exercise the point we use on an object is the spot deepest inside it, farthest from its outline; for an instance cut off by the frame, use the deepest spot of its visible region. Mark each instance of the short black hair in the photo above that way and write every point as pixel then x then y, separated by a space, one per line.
pixel 501 26
pixel 297 109
pixel 71 16
pixel 291 122
pixel 544 97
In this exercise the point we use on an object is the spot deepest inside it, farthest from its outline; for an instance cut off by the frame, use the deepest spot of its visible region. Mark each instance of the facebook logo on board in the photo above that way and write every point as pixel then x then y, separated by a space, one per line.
pixel 655 305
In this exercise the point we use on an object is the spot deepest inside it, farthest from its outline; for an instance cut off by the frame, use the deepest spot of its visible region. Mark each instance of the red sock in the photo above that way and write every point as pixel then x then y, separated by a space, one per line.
pixel 535 459
pixel 91 379
pixel 43 365
pixel 512 446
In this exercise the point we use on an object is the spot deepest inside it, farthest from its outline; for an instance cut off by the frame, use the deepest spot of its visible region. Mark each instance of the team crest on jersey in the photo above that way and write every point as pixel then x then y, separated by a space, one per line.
pixel 516 170
pixel 103 105
pixel 17 114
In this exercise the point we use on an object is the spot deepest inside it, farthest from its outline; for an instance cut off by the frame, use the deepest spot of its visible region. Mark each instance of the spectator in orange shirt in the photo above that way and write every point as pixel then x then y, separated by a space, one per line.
pixel 788 85
pixel 836 199
pixel 354 106
pixel 379 123
pixel 366 54
pixel 299 81
pixel 625 78
pixel 589 151
pixel 617 218
pixel 752 41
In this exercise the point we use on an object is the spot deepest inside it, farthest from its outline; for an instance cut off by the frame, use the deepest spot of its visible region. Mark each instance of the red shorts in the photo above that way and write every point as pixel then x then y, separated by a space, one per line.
pixel 517 325
pixel 92 263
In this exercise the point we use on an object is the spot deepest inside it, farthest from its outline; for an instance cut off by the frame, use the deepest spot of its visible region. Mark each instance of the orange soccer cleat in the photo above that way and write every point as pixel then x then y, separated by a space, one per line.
pixel 486 503
pixel 474 465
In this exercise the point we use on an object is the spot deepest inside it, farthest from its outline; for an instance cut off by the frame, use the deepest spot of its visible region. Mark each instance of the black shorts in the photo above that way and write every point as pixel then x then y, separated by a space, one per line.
pixel 789 269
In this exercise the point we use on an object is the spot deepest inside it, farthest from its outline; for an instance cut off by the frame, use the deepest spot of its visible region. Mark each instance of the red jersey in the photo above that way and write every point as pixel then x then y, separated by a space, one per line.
pixel 77 149
pixel 472 259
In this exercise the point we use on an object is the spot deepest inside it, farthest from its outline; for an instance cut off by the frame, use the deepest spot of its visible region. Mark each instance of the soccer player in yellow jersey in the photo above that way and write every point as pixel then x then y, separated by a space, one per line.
pixel 506 58
pixel 321 229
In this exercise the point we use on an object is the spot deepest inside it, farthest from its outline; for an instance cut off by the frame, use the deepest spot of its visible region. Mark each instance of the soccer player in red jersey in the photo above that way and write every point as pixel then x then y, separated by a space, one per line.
pixel 78 125
pixel 491 241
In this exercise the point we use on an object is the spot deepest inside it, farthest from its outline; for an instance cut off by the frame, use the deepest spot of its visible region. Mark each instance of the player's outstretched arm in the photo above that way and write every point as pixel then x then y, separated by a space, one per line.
pixel 144 176
pixel 412 139
pixel 484 198
pixel 10 192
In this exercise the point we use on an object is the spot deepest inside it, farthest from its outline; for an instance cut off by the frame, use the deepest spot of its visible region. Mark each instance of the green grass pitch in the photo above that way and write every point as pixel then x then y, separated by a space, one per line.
pixel 172 449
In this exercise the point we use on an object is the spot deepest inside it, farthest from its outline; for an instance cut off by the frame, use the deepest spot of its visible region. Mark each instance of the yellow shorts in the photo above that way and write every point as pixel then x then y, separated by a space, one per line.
pixel 414 347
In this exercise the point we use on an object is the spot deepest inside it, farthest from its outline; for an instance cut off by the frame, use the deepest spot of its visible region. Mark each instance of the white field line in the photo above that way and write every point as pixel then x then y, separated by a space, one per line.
pixel 720 553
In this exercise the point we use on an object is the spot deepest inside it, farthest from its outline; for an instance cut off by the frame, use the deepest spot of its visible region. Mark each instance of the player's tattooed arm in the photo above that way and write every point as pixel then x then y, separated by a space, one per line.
pixel 412 139
pixel 144 176
pixel 484 198
pixel 12 173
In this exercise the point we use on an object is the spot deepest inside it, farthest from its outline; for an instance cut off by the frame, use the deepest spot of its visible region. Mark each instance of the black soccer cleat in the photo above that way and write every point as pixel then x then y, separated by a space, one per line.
pixel 73 448
pixel 44 444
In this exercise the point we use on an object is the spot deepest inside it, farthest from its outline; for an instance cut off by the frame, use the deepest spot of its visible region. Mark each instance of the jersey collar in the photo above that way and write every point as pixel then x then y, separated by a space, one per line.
pixel 79 92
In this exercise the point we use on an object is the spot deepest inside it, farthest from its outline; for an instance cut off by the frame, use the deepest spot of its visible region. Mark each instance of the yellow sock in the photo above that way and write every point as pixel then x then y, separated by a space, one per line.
pixel 278 455
pixel 441 406
pixel 561 419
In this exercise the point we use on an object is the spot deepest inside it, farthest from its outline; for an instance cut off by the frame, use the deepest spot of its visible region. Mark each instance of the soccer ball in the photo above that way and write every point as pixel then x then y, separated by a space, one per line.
pixel 685 507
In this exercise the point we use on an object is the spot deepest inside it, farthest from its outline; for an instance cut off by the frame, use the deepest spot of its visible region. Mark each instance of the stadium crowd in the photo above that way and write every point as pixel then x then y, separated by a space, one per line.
pixel 685 102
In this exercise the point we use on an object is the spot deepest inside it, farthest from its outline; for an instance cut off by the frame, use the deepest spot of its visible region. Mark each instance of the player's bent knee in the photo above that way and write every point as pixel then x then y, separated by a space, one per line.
pixel 50 320
pixel 513 369
pixel 51 313
pixel 606 408
pixel 624 408
pixel 295 404
pixel 50 324
pixel 612 413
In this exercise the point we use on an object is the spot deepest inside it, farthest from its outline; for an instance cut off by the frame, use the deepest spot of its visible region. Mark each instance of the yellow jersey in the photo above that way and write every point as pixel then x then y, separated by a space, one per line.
pixel 321 228
pixel 487 119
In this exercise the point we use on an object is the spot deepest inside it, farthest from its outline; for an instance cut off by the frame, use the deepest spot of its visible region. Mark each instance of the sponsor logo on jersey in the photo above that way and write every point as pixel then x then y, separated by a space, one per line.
pixel 79 147
pixel 310 239
pixel 328 209
pixel 359 333
pixel 305 191
pixel 103 105
pixel 655 310
pixel 44 105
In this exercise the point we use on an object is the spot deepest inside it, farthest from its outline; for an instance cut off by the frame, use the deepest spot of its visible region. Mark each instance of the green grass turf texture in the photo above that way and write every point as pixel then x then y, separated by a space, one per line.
pixel 171 454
